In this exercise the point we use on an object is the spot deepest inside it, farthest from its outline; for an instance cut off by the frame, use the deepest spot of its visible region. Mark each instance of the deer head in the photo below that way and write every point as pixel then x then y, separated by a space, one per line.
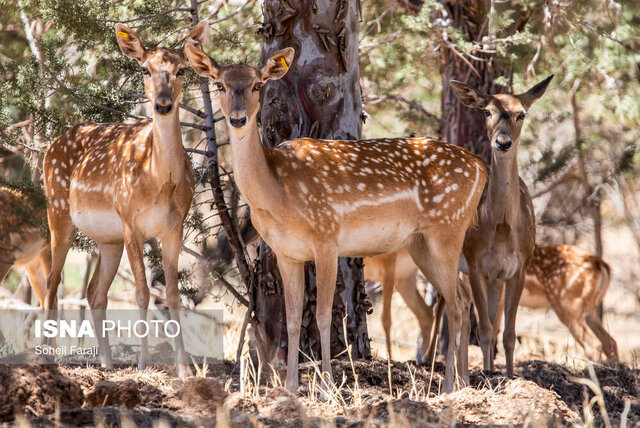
pixel 504 113
pixel 239 85
pixel 162 68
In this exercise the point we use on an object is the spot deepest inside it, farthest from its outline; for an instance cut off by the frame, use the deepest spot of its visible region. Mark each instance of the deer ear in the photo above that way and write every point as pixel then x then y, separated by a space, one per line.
pixel 199 34
pixel 469 96
pixel 129 43
pixel 201 62
pixel 529 97
pixel 278 64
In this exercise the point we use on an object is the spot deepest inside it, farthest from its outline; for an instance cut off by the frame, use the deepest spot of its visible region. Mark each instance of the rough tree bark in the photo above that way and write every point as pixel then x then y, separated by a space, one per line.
pixel 461 125
pixel 319 97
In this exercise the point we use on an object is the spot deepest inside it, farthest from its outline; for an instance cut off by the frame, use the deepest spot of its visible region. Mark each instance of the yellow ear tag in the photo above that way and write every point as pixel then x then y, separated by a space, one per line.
pixel 284 63
pixel 122 34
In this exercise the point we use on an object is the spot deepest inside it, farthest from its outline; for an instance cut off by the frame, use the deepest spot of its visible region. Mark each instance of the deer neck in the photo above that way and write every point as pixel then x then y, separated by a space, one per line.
pixel 252 169
pixel 503 189
pixel 167 151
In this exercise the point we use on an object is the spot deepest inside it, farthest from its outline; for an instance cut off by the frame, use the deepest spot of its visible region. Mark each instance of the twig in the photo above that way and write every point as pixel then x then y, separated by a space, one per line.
pixel 230 287
pixel 375 99
pixel 200 152
pixel 453 49
pixel 141 18
pixel 602 33
pixel 235 12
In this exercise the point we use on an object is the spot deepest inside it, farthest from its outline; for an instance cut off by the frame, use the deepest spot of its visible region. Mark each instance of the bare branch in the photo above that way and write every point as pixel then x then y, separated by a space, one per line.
pixel 372 99
pixel 226 283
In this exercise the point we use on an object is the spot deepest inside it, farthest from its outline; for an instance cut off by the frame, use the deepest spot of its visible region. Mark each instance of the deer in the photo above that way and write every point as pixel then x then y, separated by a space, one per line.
pixel 498 249
pixel 314 199
pixel 122 184
pixel 573 282
pixel 22 242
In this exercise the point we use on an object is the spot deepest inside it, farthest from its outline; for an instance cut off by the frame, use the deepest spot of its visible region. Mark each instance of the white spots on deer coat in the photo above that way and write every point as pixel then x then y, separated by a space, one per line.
pixel 303 188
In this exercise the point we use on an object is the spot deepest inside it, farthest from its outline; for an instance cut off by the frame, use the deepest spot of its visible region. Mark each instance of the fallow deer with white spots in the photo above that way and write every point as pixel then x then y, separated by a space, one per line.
pixel 22 242
pixel 498 250
pixel 124 183
pixel 572 282
pixel 319 199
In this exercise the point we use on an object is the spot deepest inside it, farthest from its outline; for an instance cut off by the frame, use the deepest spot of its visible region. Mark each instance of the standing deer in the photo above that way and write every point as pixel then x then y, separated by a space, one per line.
pixel 498 249
pixel 122 184
pixel 319 199
pixel 22 243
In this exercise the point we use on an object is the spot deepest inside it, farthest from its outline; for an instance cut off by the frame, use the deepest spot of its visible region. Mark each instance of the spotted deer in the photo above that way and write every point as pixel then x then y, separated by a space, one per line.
pixel 498 250
pixel 22 243
pixel 124 183
pixel 316 200
pixel 572 282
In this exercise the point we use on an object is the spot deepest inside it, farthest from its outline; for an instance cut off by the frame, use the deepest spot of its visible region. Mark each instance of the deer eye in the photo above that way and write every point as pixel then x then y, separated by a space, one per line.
pixel 220 86
pixel 181 72
pixel 486 112
pixel 257 87
pixel 521 116
pixel 145 71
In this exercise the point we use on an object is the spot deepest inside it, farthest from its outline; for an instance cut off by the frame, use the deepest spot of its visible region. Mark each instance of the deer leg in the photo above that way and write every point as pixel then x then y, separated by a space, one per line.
pixel 433 344
pixel 409 292
pixel 438 261
pixel 106 267
pixel 485 329
pixel 494 295
pixel 609 344
pixel 387 296
pixel 63 233
pixel 45 260
pixel 512 293
pixel 326 259
pixel 292 273
pixel 37 279
pixel 577 325
pixel 464 301
pixel 171 246
pixel 133 244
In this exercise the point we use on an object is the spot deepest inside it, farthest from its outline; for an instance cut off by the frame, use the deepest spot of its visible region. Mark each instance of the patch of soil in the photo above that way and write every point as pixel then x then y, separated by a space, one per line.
pixel 197 395
pixel 519 401
pixel 40 387
pixel 618 387
pixel 107 393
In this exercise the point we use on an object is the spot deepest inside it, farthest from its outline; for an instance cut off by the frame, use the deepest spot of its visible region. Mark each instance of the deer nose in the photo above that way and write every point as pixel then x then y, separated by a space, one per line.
pixel 503 145
pixel 503 142
pixel 238 118
pixel 164 104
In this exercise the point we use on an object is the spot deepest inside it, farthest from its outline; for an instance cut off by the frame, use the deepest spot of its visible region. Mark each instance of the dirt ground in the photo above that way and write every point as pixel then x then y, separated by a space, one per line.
pixel 543 393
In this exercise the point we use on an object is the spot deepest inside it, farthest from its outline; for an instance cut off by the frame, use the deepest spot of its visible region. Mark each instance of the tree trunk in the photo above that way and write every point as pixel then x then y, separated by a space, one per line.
pixel 461 125
pixel 593 204
pixel 320 97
